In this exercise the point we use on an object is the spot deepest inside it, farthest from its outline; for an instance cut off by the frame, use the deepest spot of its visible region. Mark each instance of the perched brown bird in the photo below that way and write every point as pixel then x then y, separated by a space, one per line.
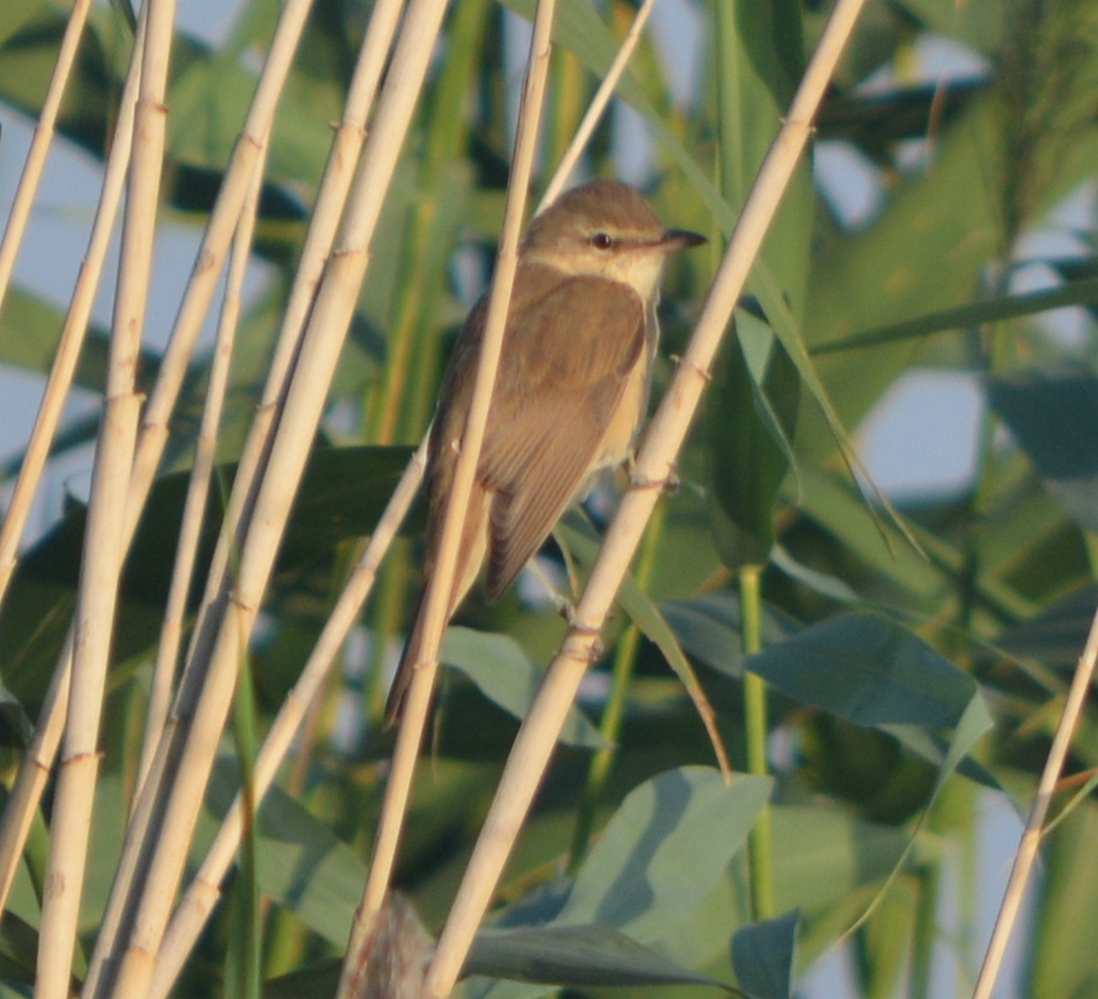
pixel 570 393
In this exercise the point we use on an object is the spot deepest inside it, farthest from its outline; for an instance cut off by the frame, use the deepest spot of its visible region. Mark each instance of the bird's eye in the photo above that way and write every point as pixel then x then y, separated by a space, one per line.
pixel 602 241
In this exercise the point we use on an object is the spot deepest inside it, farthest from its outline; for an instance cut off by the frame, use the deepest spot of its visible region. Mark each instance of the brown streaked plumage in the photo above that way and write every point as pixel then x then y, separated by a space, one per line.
pixel 571 390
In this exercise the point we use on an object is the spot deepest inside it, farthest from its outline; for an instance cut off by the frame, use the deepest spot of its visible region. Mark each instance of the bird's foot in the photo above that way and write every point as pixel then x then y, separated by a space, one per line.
pixel 585 633
pixel 668 484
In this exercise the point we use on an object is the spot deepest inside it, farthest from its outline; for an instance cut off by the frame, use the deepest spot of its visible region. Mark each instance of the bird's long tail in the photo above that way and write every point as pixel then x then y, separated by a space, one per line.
pixel 474 543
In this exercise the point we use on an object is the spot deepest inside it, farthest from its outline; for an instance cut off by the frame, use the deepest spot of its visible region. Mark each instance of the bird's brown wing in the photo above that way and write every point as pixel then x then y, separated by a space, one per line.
pixel 567 356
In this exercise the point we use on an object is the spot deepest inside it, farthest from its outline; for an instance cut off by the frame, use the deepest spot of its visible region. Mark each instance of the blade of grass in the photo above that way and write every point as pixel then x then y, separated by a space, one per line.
pixel 1083 292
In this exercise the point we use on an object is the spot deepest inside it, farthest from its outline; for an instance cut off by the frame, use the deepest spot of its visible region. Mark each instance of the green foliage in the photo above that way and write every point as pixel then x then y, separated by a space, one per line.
pixel 585 955
pixel 1051 416
pixel 763 956
pixel 905 682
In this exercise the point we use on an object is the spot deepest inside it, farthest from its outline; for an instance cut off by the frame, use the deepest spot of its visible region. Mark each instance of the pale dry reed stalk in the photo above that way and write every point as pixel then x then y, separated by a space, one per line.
pixel 35 163
pixel 417 703
pixel 1026 855
pixel 568 162
pixel 38 761
pixel 654 464
pixel 34 772
pixel 204 892
pixel 214 248
pixel 198 486
pixel 101 564
pixel 173 368
pixel 26 485
pixel 597 108
pixel 197 297
pixel 233 598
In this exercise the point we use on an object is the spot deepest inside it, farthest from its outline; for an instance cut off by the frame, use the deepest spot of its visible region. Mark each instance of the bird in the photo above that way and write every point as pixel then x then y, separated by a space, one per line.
pixel 570 394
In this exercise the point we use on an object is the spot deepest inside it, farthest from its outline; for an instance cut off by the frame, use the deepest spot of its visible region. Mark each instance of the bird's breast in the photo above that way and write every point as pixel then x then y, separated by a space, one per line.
pixel 621 430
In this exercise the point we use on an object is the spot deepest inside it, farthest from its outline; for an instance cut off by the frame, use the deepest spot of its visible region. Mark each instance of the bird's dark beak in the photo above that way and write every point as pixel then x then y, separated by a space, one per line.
pixel 681 239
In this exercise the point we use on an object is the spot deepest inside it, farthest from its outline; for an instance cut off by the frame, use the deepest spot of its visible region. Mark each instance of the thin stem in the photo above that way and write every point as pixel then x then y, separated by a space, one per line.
pixel 18 510
pixel 928 881
pixel 246 949
pixel 751 642
pixel 757 733
pixel 21 808
pixel 35 163
pixel 598 106
pixel 1031 836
